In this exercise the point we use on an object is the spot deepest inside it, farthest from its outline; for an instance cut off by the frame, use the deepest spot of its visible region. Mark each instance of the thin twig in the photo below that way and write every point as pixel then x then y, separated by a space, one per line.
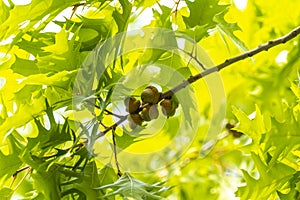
pixel 113 114
pixel 115 152
pixel 121 120
pixel 192 79
pixel 101 123
pixel 105 110
pixel 28 168
pixel 75 8
pixel 193 57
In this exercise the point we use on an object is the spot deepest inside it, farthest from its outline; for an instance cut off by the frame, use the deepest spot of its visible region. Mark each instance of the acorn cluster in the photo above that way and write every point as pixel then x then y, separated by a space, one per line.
pixel 147 108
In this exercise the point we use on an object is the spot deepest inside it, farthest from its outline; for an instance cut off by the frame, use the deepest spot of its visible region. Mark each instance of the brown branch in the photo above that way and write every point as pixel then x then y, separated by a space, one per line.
pixel 248 54
pixel 113 114
pixel 192 79
pixel 75 8
pixel 121 120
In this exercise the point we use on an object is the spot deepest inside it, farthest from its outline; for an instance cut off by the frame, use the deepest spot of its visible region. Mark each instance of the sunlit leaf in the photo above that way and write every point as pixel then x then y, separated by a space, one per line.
pixel 252 127
pixel 228 29
pixel 29 15
pixel 62 55
pixel 202 12
pixel 129 187
pixel 6 193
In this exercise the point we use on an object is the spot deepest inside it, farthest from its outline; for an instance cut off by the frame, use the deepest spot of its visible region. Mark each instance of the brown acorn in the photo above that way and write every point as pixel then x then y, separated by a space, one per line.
pixel 166 106
pixel 169 105
pixel 132 104
pixel 136 119
pixel 149 112
pixel 150 95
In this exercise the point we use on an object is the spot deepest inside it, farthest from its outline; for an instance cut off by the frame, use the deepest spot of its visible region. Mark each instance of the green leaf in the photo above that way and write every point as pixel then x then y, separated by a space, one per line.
pixel 47 182
pixel 9 164
pixel 87 34
pixel 129 187
pixel 6 61
pixel 29 15
pixel 63 55
pixel 6 193
pixel 25 67
pixel 104 27
pixel 197 33
pixel 158 45
pixel 296 90
pixel 228 29
pixel 24 114
pixel 284 138
pixel 161 17
pixel 122 17
pixel 50 138
pixel 89 181
pixel 254 128
pixel 81 183
pixel 61 79
pixel 269 180
pixel 4 12
pixel 43 145
pixel 127 139
pixel 144 4
pixel 293 194
pixel 107 175
pixel 36 42
pixel 202 13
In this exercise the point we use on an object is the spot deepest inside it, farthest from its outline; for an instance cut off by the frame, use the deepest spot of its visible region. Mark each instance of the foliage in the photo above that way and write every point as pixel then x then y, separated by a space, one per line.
pixel 50 149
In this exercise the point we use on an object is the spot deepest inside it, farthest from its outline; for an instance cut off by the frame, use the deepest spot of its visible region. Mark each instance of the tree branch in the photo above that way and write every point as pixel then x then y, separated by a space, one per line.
pixel 192 79
pixel 260 48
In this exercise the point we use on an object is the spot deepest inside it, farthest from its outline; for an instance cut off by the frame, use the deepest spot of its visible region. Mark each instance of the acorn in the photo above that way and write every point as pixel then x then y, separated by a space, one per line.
pixel 166 107
pixel 169 106
pixel 132 104
pixel 149 112
pixel 150 95
pixel 135 119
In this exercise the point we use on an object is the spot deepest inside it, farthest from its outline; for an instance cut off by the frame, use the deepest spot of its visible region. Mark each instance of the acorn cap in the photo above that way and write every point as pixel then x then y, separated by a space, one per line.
pixel 166 106
pixel 132 104
pixel 150 95
pixel 135 118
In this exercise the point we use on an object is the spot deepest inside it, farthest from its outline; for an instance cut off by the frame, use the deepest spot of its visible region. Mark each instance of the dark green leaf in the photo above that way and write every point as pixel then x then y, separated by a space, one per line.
pixel 122 17
pixel 107 175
